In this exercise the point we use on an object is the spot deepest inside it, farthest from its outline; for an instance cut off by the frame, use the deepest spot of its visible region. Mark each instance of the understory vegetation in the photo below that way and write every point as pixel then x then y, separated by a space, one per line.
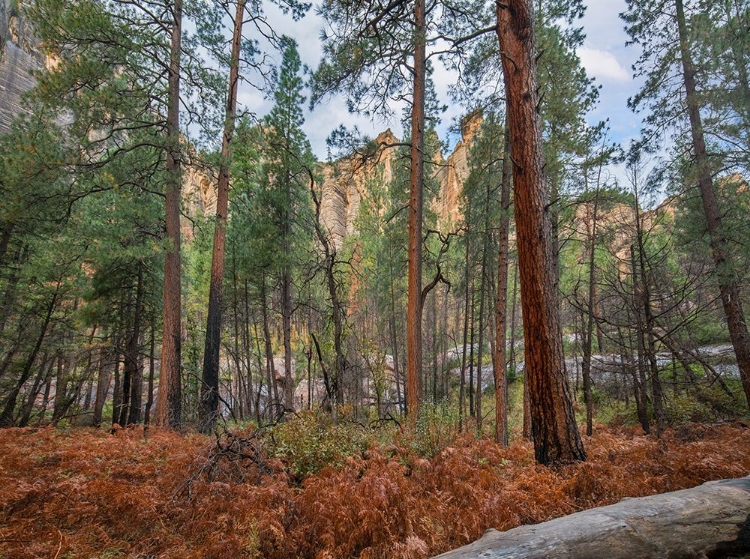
pixel 276 493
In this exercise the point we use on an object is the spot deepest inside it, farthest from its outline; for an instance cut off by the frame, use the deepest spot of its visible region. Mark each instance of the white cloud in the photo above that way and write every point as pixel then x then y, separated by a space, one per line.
pixel 603 65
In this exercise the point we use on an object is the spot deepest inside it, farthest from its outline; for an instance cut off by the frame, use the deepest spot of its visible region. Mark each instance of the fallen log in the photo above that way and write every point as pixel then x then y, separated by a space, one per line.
pixel 708 521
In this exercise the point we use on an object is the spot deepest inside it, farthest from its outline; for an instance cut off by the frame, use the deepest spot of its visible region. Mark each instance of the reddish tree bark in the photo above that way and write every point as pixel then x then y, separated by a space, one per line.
pixel 209 406
pixel 169 402
pixel 553 424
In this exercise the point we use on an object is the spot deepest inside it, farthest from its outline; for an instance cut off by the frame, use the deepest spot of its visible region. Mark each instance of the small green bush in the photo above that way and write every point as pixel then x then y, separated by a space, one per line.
pixel 308 442
pixel 435 430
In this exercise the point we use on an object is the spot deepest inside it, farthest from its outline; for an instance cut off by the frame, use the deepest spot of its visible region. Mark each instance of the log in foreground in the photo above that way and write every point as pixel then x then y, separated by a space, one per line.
pixel 708 521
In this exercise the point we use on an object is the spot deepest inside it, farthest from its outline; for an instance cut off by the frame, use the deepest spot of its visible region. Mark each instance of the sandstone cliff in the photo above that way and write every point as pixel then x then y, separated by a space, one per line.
pixel 18 59
pixel 345 182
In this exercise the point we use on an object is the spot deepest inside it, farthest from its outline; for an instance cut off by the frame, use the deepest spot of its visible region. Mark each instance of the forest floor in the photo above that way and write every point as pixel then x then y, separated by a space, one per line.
pixel 84 493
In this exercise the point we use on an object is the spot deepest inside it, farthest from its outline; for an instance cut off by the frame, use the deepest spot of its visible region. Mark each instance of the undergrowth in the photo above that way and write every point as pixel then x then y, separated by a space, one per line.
pixel 85 493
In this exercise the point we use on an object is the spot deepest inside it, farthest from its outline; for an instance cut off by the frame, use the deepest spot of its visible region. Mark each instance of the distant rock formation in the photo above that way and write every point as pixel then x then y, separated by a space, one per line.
pixel 18 59
pixel 345 182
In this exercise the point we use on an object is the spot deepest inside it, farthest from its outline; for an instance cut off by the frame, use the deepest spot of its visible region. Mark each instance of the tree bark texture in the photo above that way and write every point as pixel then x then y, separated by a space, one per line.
pixel 169 401
pixel 553 424
pixel 209 405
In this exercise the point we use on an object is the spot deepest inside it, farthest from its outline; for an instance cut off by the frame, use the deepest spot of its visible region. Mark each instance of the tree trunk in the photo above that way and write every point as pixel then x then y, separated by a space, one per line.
pixel 338 334
pixel 169 403
pixel 647 334
pixel 6 417
pixel 553 423
pixel 45 398
pixel 133 381
pixel 151 367
pixel 270 369
pixel 726 276
pixel 416 183
pixel 471 352
pixel 640 380
pixel 501 308
pixel 41 377
pixel 462 382
pixel 209 406
pixel 102 387
pixel 589 329
pixel 116 390
pixel 286 317
pixel 394 343
pixel 482 282
pixel 434 322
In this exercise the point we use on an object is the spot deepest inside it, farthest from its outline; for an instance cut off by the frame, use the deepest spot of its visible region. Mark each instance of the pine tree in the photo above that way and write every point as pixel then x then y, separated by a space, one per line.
pixel 553 424
pixel 210 376
pixel 674 93
pixel 288 162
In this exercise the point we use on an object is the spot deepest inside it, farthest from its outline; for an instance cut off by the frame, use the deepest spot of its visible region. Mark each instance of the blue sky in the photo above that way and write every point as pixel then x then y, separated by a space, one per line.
pixel 604 55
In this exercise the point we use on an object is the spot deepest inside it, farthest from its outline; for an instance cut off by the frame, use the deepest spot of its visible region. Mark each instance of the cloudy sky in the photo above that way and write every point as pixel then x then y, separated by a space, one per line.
pixel 603 54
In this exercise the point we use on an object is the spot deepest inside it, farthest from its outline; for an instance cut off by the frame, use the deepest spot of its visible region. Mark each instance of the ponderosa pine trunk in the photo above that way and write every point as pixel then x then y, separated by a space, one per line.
pixel 553 423
pixel 501 308
pixel 726 276
pixel 169 402
pixel 416 180
pixel 209 402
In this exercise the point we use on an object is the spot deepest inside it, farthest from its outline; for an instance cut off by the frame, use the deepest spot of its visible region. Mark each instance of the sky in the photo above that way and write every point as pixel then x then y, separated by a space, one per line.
pixel 603 54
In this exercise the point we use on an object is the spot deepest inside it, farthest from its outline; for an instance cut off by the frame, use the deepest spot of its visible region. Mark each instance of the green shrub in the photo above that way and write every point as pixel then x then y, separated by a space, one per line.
pixel 308 442
pixel 435 430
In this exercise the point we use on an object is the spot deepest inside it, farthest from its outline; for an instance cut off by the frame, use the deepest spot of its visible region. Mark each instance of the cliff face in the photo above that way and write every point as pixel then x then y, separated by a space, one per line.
pixel 18 59
pixel 345 183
